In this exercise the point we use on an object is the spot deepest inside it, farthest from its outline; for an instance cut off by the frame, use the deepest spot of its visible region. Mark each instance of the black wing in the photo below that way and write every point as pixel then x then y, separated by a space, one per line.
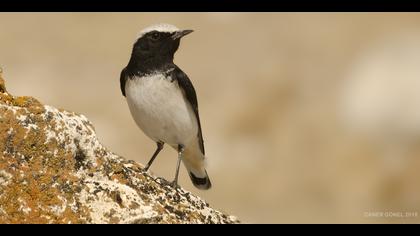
pixel 123 78
pixel 189 92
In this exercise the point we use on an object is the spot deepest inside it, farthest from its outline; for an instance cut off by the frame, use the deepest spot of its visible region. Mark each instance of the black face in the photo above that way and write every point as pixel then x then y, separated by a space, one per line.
pixel 156 45
pixel 155 50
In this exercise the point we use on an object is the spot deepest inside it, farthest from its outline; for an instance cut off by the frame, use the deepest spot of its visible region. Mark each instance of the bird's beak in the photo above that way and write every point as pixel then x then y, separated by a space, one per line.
pixel 181 33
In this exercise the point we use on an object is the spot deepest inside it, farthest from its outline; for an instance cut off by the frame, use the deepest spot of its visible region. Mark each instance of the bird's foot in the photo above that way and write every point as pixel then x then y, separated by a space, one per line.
pixel 145 169
pixel 174 185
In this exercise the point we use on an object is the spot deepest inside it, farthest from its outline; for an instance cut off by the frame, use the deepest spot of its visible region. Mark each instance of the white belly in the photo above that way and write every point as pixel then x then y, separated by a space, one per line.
pixel 160 110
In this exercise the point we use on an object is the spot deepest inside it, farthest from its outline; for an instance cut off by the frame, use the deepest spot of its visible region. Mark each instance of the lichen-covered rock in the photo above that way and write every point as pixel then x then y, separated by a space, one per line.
pixel 53 169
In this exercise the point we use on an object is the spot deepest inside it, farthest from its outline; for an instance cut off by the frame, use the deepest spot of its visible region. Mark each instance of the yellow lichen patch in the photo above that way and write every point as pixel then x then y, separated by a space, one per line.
pixel 42 182
pixel 21 101
pixel 28 102
pixel 31 103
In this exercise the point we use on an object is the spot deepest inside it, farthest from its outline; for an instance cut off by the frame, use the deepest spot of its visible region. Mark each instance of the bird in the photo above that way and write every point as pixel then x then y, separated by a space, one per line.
pixel 163 102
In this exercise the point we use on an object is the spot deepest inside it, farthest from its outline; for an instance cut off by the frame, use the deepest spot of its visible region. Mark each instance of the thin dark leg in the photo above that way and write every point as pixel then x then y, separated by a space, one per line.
pixel 158 149
pixel 180 152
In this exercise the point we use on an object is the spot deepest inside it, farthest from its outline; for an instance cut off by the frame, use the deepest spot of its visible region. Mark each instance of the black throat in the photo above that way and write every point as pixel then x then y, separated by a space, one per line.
pixel 141 66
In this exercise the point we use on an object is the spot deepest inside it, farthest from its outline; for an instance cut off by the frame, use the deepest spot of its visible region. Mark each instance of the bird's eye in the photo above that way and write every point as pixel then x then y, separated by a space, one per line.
pixel 155 36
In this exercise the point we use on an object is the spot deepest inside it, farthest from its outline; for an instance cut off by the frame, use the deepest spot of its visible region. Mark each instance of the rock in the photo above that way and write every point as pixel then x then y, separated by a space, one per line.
pixel 53 169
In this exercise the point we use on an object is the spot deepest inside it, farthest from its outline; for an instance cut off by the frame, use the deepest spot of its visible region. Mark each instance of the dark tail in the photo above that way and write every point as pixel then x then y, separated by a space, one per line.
pixel 200 183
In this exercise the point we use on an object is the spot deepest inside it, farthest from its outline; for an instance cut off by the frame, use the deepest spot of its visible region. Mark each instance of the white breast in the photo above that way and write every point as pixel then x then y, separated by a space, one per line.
pixel 160 109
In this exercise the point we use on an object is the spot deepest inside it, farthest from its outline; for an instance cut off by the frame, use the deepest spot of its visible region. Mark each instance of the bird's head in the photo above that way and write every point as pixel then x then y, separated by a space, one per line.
pixel 158 41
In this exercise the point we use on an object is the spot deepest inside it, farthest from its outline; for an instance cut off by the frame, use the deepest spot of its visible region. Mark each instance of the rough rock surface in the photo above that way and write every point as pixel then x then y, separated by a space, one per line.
pixel 53 169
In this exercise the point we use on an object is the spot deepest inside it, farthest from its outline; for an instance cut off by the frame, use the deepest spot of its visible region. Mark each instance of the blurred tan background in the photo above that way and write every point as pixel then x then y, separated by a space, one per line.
pixel 307 117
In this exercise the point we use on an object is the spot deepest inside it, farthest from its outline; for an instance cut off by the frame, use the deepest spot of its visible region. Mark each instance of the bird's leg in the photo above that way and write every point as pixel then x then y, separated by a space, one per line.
pixel 158 149
pixel 180 153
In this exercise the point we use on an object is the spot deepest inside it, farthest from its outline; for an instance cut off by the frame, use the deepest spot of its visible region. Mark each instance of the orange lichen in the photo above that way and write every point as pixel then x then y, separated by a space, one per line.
pixel 25 101
pixel 36 172
pixel 53 170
